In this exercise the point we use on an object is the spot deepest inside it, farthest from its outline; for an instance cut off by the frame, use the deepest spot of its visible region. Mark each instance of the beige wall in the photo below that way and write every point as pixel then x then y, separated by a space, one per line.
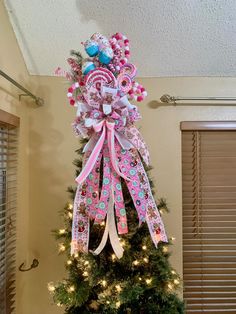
pixel 46 151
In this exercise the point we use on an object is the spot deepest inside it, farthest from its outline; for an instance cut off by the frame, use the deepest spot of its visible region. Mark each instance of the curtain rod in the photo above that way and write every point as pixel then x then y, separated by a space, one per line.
pixel 167 99
pixel 39 101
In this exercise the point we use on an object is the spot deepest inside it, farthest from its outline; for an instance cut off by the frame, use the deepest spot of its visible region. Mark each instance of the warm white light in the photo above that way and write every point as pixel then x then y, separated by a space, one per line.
pixel 62 247
pixel 172 238
pixel 51 287
pixel 104 283
pixel 117 304
pixel 70 215
pixel 139 278
pixel 59 304
pixel 165 249
pixel 102 223
pixel 62 231
pixel 86 263
pixel 70 206
pixel 71 289
pixel 170 286
pixel 136 262
pixel 108 302
pixel 122 243
pixel 148 281
pixel 176 281
pixel 76 255
pixel 69 262
pixel 118 288
pixel 85 274
pixel 161 211
pixel 113 256
pixel 173 272
pixel 144 247
pixel 145 259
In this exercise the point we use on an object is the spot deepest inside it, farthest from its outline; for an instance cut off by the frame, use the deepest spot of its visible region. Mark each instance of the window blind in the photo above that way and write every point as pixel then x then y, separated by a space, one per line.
pixel 209 220
pixel 8 197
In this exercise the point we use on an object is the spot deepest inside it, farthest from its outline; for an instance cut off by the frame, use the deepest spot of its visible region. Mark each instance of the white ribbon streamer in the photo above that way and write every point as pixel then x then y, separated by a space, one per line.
pixel 111 231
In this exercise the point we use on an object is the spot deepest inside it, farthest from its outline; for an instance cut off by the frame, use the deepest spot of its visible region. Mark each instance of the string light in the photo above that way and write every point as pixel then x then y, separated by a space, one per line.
pixel 104 283
pixel 140 279
pixel 136 262
pixel 85 274
pixel 76 255
pixel 117 304
pixel 122 243
pixel 62 231
pixel 51 287
pixel 59 304
pixel 170 286
pixel 173 272
pixel 118 288
pixel 113 257
pixel 172 238
pixel 62 247
pixel 144 247
pixel 86 263
pixel 161 211
pixel 107 302
pixel 145 259
pixel 148 281
pixel 71 289
pixel 70 215
pixel 165 249
pixel 176 281
pixel 70 206
pixel 102 223
pixel 69 262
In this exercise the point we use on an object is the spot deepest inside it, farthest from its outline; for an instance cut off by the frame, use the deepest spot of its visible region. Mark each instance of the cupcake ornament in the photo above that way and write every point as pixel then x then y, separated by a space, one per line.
pixel 105 55
pixel 91 47
pixel 87 67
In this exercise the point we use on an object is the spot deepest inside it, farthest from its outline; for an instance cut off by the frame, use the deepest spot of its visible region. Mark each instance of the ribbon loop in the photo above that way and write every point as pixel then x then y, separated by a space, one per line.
pixel 108 128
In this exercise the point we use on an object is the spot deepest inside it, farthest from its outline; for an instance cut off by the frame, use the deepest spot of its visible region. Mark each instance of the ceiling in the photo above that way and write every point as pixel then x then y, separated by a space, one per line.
pixel 168 37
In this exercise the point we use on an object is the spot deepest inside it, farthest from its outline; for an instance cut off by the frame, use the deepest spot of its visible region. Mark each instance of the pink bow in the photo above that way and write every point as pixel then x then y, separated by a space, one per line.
pixel 107 127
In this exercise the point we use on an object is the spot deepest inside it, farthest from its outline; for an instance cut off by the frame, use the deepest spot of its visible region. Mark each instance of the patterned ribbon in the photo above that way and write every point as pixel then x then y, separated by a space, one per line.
pixel 107 127
pixel 117 163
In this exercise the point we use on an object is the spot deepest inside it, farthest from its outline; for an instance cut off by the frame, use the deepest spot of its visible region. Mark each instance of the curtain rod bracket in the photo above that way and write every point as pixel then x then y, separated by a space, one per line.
pixel 39 101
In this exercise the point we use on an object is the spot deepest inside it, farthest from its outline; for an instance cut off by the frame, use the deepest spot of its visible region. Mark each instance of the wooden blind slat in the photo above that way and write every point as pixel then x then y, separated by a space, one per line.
pixel 8 200
pixel 209 217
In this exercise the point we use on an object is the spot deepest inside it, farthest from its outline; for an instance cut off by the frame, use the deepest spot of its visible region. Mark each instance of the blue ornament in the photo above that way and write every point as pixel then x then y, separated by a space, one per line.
pixel 105 55
pixel 87 67
pixel 92 50
pixel 91 47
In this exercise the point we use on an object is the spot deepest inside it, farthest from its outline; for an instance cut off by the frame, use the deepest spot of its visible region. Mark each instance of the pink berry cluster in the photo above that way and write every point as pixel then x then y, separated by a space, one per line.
pixel 119 44
pixel 137 92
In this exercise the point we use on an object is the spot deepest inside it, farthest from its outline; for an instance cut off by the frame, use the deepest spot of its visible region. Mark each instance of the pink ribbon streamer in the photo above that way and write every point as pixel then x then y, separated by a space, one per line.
pixel 106 186
pixel 119 205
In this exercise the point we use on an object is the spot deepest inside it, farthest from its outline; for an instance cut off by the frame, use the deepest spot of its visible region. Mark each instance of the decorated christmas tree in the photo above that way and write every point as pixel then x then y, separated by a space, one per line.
pixel 114 237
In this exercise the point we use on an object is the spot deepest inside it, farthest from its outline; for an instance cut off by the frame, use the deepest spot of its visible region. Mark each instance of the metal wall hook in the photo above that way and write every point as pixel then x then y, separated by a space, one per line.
pixel 35 263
